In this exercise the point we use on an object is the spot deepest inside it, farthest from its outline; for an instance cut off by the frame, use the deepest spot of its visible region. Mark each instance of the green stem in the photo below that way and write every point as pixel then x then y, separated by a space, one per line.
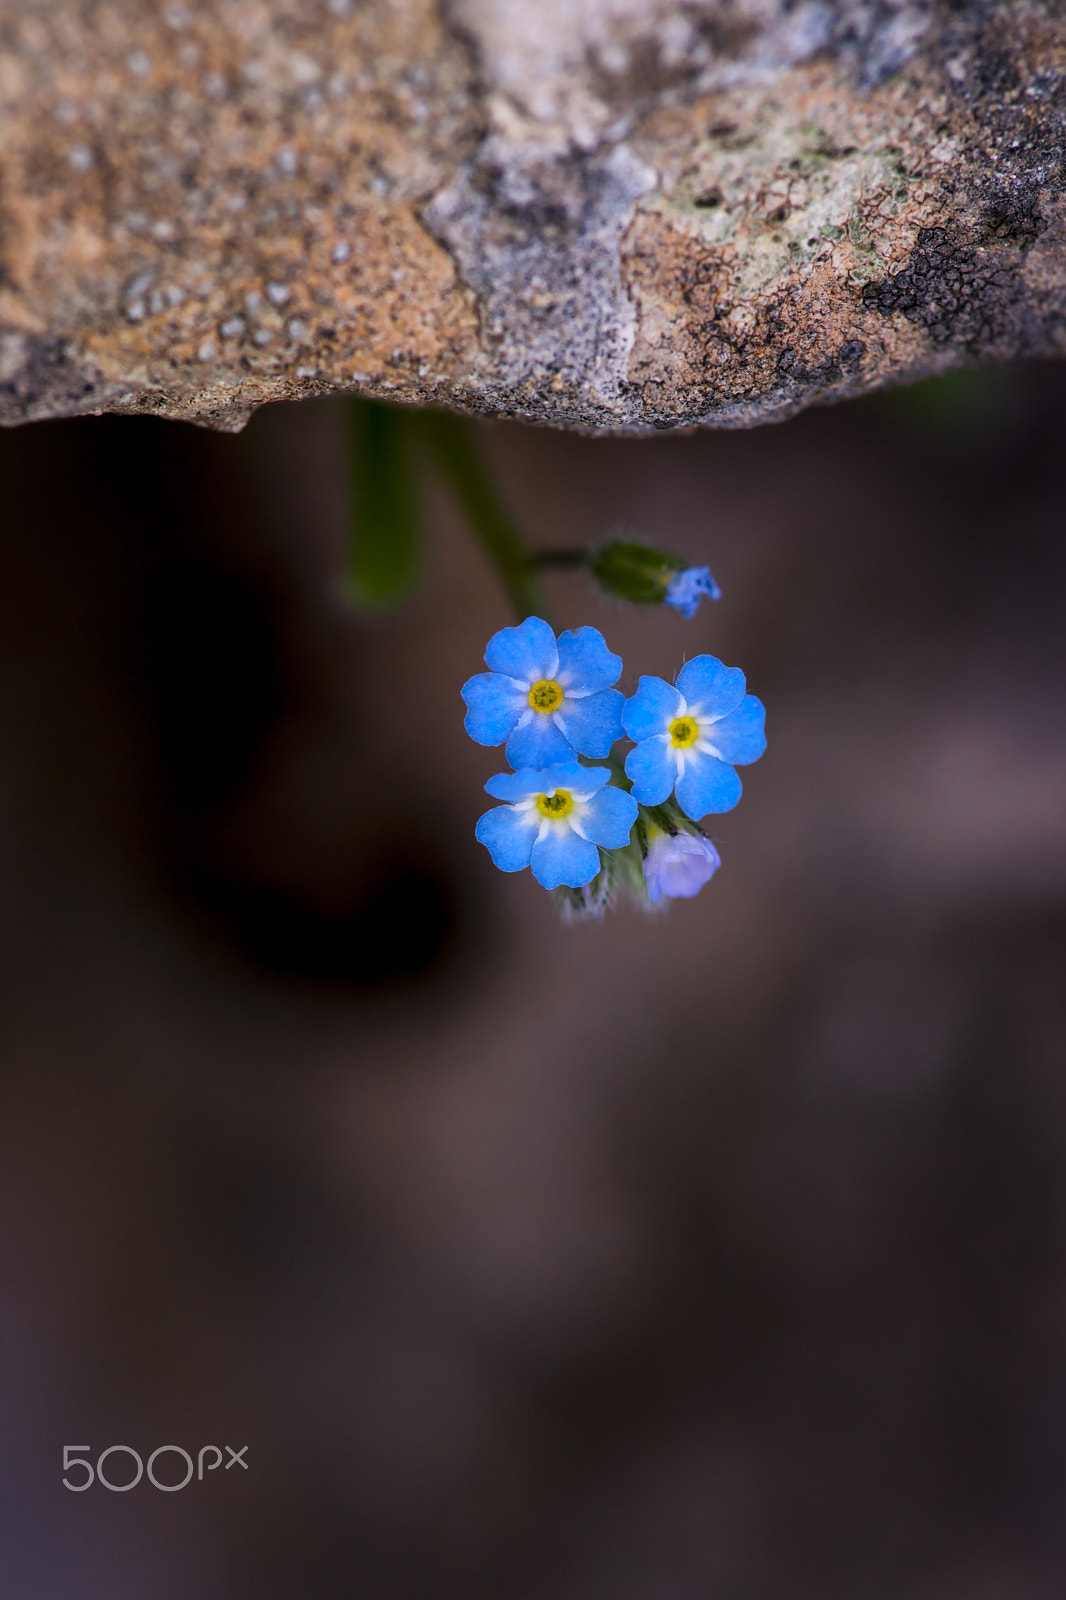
pixel 385 540
pixel 448 439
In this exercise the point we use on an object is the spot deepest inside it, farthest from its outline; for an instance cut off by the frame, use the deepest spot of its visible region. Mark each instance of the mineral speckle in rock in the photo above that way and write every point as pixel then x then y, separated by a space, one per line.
pixel 623 214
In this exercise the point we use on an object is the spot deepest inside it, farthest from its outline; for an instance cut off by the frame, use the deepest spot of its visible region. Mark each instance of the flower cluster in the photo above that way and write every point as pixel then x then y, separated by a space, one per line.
pixel 587 831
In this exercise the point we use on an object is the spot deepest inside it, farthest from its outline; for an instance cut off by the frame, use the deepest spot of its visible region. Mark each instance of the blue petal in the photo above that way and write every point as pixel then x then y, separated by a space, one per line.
pixel 686 589
pixel 495 705
pixel 740 736
pixel 651 709
pixel 593 724
pixel 538 743
pixel 527 652
pixel 653 770
pixel 711 687
pixel 608 818
pixel 581 781
pixel 514 786
pixel 584 782
pixel 707 784
pixel 560 856
pixel 509 836
pixel 585 663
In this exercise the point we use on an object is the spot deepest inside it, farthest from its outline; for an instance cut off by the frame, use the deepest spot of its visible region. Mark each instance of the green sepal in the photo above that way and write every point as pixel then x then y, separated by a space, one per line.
pixel 580 905
pixel 639 573
pixel 666 818
pixel 629 871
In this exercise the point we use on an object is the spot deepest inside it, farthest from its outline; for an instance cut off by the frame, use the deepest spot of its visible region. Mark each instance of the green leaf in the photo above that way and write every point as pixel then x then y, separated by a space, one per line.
pixel 386 539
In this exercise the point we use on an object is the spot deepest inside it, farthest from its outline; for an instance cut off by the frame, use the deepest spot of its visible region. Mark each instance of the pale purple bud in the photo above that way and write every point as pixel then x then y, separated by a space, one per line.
pixel 678 865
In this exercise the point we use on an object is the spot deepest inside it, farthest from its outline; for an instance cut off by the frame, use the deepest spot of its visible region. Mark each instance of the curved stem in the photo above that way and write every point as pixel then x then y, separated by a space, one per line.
pixel 448 439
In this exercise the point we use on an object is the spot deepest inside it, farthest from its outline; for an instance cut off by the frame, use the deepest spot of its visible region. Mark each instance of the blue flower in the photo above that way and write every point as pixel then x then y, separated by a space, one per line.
pixel 554 821
pixel 686 589
pixel 547 700
pixel 678 865
pixel 691 738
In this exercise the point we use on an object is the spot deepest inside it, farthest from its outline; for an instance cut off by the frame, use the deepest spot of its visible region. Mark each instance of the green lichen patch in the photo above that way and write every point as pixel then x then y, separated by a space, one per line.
pixel 774 204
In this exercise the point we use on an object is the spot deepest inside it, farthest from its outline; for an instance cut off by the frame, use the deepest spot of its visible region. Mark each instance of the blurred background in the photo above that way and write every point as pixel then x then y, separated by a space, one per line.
pixel 712 1256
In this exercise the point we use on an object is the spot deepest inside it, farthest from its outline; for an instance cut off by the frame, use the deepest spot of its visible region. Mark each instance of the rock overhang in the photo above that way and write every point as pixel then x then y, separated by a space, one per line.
pixel 620 215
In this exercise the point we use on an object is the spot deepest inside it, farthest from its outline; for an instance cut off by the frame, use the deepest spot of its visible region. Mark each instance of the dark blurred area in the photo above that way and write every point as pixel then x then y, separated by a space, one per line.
pixel 713 1256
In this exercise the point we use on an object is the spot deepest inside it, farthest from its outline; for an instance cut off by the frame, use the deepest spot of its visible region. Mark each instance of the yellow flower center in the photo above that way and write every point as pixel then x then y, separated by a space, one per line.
pixel 546 695
pixel 684 731
pixel 555 805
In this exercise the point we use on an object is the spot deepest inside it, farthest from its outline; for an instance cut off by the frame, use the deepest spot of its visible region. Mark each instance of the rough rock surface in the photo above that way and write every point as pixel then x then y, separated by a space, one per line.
pixel 604 213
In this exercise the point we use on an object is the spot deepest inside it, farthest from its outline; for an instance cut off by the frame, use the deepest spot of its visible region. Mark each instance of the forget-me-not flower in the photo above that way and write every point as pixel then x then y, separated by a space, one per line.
pixel 686 589
pixel 690 737
pixel 678 865
pixel 554 820
pixel 547 699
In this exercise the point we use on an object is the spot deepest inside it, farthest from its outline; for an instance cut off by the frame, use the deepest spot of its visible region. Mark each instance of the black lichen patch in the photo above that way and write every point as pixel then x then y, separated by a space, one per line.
pixel 963 282
pixel 43 378
pixel 995 73
pixel 960 292
pixel 1013 219
pixel 728 36
pixel 837 365
pixel 1011 113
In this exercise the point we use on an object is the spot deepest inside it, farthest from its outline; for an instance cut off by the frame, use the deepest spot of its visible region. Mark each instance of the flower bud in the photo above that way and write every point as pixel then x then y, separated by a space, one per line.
pixel 685 591
pixel 678 865
pixel 647 576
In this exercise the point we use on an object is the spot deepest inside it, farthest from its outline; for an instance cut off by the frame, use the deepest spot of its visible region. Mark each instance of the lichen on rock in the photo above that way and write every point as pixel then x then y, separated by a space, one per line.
pixel 621 214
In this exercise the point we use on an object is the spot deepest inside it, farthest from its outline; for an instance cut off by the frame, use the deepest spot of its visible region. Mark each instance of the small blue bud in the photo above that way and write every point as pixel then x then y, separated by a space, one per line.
pixel 685 590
